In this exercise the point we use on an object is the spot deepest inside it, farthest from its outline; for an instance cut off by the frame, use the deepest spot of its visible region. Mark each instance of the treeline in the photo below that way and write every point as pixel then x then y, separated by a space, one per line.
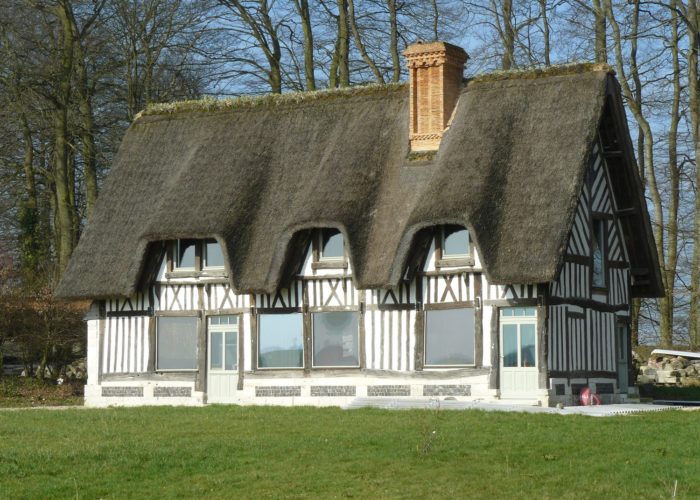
pixel 74 73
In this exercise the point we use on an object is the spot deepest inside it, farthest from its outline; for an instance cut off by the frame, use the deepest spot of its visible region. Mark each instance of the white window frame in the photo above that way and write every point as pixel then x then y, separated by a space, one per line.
pixel 205 264
pixel 334 259
pixel 519 320
pixel 313 338
pixel 224 329
pixel 196 348
pixel 455 256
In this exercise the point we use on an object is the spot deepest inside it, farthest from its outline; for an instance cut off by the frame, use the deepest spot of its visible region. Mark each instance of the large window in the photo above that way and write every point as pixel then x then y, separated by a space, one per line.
pixel 176 343
pixel 281 341
pixel 223 343
pixel 449 337
pixel 335 339
pixel 598 253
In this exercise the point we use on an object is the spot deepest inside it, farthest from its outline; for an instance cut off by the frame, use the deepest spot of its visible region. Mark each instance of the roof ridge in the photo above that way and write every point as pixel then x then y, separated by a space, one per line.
pixel 212 104
pixel 574 68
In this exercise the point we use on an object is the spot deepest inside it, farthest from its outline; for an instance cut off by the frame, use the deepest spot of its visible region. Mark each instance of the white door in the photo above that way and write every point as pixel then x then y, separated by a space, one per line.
pixel 518 343
pixel 222 378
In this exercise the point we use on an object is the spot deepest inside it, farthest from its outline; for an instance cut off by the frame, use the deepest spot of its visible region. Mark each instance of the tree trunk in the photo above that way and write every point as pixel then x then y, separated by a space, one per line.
pixel 343 45
pixel 508 60
pixel 87 130
pixel 361 46
pixel 694 92
pixel 64 207
pixel 545 32
pixel 305 15
pixel 601 45
pixel 394 41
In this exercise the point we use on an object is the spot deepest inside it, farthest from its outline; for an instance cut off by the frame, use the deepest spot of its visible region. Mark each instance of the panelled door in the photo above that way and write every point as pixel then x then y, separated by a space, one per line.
pixel 222 378
pixel 518 344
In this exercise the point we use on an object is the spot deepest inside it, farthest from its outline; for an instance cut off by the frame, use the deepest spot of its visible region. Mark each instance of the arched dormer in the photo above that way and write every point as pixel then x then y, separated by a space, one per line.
pixel 448 245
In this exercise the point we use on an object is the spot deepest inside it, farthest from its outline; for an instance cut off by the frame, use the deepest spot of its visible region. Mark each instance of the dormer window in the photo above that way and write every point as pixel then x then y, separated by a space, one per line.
pixel 453 247
pixel 185 254
pixel 193 256
pixel 329 249
pixel 332 245
pixel 213 256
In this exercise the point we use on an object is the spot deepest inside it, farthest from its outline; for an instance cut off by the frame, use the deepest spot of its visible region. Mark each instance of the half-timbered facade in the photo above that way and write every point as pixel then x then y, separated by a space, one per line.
pixel 489 253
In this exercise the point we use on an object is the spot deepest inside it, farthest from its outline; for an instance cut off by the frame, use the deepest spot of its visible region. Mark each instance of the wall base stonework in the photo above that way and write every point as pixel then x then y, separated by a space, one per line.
pixel 446 390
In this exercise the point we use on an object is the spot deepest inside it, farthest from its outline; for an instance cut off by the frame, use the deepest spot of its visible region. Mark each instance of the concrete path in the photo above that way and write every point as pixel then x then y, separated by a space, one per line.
pixel 20 408
pixel 434 404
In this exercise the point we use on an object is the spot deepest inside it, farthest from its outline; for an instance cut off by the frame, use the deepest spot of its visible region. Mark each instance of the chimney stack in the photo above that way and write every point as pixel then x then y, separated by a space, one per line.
pixel 435 76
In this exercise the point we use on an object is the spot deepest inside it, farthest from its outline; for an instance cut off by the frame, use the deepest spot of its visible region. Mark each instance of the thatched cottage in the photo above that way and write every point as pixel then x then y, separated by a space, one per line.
pixel 476 239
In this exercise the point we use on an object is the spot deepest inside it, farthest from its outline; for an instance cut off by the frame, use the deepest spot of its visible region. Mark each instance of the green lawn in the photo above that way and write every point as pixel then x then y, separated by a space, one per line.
pixel 257 452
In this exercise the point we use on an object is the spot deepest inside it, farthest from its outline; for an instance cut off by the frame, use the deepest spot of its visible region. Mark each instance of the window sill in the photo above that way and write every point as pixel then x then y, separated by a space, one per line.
pixel 599 289
pixel 207 273
pixel 456 262
pixel 447 367
pixel 329 264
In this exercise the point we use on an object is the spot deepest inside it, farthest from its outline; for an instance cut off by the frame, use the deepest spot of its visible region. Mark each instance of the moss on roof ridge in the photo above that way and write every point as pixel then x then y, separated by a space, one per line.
pixel 212 104
pixel 541 72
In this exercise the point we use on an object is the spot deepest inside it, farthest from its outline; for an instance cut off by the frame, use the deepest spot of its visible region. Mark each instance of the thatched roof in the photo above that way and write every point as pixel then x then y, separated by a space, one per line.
pixel 510 168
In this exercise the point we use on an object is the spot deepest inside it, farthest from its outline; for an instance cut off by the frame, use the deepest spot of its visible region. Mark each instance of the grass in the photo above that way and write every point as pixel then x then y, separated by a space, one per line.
pixel 254 452
pixel 19 392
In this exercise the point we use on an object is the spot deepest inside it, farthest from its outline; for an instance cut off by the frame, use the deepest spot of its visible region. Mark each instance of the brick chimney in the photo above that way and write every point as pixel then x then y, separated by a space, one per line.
pixel 435 75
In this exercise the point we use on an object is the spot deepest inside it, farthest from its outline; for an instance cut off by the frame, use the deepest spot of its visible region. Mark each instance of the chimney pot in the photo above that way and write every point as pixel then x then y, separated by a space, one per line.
pixel 435 76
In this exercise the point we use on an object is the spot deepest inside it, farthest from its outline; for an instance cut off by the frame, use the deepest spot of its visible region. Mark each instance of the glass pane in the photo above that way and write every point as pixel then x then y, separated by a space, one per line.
pixel 231 350
pixel 332 244
pixel 215 359
pixel 510 346
pixel 214 320
pixel 213 256
pixel 449 337
pixel 185 253
pixel 456 241
pixel 177 343
pixel 336 339
pixel 527 346
pixel 518 311
pixel 281 341
pixel 598 271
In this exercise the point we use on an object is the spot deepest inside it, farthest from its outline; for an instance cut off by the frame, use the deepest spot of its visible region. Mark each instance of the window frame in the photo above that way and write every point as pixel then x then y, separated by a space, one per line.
pixel 312 336
pixel 321 262
pixel 200 268
pixel 601 219
pixel 198 322
pixel 452 260
pixel 271 312
pixel 205 266
pixel 518 320
pixel 226 328
pixel 427 366
pixel 176 256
